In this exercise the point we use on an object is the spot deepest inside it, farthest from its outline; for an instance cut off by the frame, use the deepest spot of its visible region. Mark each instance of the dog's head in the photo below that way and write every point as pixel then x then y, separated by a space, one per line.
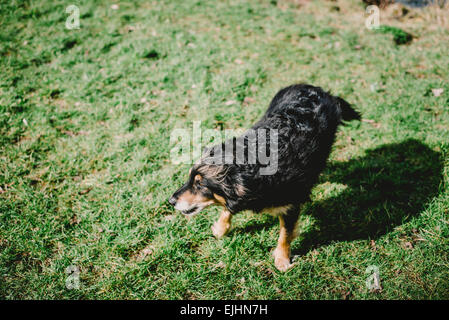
pixel 204 187
pixel 211 181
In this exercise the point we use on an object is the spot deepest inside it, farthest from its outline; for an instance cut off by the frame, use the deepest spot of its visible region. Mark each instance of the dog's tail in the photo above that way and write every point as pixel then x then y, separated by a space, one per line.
pixel 347 112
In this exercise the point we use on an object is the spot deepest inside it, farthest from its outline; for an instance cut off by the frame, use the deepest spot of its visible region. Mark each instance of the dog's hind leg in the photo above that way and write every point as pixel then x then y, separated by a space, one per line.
pixel 287 223
pixel 221 227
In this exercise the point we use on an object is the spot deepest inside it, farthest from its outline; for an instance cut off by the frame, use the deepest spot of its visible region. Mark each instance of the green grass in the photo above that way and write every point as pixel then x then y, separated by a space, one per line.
pixel 399 35
pixel 85 169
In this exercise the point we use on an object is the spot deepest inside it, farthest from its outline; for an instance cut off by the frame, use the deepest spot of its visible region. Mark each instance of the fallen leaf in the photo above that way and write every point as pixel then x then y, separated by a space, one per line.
pixel 408 245
pixel 437 92
pixel 145 252
pixel 130 28
pixel 241 293
pixel 5 187
pixel 372 122
pixel 170 217
pixel 74 220
pixel 248 100
pixel 68 132
pixel 346 295
pixel 230 102
pixel 315 253
pixel 258 263
pixel 85 191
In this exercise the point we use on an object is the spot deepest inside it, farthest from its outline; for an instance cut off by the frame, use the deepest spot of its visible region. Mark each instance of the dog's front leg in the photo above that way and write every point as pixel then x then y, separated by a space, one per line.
pixel 287 233
pixel 221 227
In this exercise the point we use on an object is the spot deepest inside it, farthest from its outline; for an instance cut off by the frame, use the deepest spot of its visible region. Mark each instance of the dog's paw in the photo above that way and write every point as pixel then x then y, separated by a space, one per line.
pixel 283 264
pixel 282 261
pixel 219 230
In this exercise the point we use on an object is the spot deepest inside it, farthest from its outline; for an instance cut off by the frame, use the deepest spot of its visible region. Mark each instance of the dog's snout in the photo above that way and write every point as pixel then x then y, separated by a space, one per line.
pixel 172 201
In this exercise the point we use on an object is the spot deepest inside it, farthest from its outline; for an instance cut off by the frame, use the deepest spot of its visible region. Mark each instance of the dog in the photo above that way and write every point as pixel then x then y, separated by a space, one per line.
pixel 302 120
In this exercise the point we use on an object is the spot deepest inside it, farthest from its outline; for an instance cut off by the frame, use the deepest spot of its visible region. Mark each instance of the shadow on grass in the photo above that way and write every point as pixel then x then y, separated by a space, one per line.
pixel 385 188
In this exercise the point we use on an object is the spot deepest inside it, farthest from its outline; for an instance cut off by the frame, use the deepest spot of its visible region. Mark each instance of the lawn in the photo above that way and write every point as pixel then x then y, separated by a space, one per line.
pixel 85 169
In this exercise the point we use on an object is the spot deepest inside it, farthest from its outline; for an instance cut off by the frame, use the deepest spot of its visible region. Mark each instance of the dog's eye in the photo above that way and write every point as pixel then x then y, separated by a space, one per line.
pixel 199 183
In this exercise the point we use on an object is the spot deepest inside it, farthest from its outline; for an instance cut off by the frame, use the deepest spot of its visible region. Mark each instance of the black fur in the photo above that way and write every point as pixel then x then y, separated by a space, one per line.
pixel 306 119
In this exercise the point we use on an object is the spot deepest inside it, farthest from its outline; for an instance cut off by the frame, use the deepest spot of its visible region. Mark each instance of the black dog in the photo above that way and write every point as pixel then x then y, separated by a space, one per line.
pixel 302 121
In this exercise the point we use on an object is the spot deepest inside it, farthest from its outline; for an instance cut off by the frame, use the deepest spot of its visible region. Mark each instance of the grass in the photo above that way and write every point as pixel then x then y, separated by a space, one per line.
pixel 85 169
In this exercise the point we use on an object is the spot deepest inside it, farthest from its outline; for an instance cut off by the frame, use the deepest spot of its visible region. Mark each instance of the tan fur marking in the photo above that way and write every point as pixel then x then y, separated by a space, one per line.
pixel 222 225
pixel 277 211
pixel 220 199
pixel 191 198
pixel 282 251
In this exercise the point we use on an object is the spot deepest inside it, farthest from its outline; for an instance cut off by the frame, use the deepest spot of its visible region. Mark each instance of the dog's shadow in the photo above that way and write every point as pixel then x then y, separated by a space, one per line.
pixel 383 189
pixel 378 191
